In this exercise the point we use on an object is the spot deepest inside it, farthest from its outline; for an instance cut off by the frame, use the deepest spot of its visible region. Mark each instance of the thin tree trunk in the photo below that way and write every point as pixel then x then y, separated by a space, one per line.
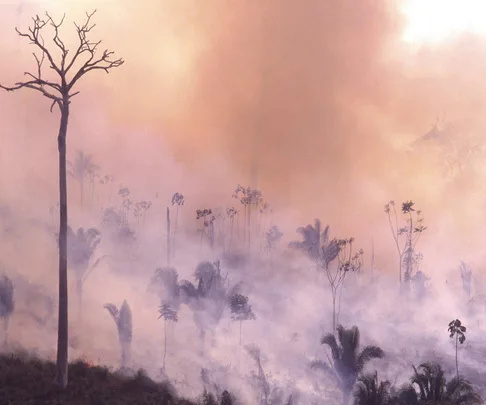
pixel 211 236
pixel 6 323
pixel 333 312
pixel 165 344
pixel 61 377
pixel 168 237
pixel 240 331
pixel 175 233
pixel 457 364
pixel 231 235
pixel 249 228
pixel 338 312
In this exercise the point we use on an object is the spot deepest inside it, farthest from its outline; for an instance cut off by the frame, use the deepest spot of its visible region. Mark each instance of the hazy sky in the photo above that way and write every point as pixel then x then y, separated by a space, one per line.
pixel 327 94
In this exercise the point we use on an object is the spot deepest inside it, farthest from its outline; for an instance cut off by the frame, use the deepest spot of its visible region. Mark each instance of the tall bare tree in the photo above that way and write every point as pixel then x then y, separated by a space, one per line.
pixel 68 67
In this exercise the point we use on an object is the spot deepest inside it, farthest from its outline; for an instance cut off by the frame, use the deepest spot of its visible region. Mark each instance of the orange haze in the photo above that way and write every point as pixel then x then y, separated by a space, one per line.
pixel 322 92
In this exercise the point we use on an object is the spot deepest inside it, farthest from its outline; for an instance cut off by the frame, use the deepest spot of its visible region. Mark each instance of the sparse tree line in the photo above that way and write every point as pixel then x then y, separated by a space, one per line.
pixel 212 295
pixel 247 226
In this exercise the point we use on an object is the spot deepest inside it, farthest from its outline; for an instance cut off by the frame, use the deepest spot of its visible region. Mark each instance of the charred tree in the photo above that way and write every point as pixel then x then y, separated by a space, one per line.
pixel 69 68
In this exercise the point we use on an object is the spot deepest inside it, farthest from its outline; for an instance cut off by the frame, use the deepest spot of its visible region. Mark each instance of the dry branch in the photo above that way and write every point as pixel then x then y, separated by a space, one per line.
pixel 60 93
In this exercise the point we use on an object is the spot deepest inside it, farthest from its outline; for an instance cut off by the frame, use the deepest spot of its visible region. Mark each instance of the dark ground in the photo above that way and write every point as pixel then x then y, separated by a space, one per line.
pixel 26 380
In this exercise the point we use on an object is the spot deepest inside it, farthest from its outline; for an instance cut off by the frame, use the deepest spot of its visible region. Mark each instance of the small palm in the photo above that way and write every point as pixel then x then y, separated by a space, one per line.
pixel 348 360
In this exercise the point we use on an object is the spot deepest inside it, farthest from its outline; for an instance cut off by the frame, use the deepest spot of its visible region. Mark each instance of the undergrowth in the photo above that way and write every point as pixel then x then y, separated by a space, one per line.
pixel 27 380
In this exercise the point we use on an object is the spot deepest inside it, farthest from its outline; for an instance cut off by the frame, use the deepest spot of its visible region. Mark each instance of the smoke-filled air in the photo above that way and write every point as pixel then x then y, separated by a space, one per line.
pixel 271 202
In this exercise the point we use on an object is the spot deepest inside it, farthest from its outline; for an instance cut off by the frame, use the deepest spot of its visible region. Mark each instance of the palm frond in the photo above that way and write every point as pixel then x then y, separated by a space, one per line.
pixel 113 310
pixel 367 354
pixel 165 283
pixel 188 291
pixel 330 340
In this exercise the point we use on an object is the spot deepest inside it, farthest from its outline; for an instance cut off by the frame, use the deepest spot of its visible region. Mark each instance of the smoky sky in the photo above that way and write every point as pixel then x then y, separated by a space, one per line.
pixel 322 96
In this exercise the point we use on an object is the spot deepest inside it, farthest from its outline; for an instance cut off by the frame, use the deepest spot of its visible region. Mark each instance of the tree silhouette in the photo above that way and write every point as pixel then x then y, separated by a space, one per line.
pixel 7 304
pixel 61 93
pixel 240 309
pixel 457 330
pixel 433 388
pixel 249 197
pixel 167 222
pixel 165 284
pixel 231 213
pixel 347 360
pixel 273 237
pixel 209 298
pixel 82 245
pixel 81 168
pixel 323 251
pixel 178 201
pixel 123 321
pixel 140 210
pixel 255 353
pixel 370 391
pixel 207 228
pixel 169 314
pixel 412 230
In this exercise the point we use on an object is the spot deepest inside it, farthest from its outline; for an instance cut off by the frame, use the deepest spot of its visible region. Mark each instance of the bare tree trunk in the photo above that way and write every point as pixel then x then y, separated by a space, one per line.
pixel 168 237
pixel 211 236
pixel 457 363
pixel 240 331
pixel 61 377
pixel 165 344
pixel 231 235
pixel 249 228
pixel 175 232
pixel 333 312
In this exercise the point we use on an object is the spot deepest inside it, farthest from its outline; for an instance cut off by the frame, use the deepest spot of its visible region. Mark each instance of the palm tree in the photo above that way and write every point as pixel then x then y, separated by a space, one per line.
pixel 431 387
pixel 457 329
pixel 169 314
pixel 80 169
pixel 178 201
pixel 209 298
pixel 82 245
pixel 370 391
pixel 347 361
pixel 123 321
pixel 165 284
pixel 240 309
pixel 323 251
pixel 316 244
pixel 7 304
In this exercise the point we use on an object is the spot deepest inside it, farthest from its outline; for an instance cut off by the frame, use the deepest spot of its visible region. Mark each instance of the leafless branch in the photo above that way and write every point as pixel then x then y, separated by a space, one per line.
pixel 57 40
pixel 104 62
